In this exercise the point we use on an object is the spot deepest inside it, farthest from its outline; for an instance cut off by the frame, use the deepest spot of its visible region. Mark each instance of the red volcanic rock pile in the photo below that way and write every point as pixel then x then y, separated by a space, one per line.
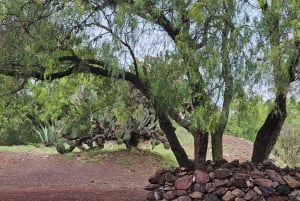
pixel 223 181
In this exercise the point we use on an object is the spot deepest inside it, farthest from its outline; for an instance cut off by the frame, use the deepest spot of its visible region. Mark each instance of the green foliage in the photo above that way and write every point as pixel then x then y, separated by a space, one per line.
pixel 246 118
pixel 288 145
pixel 17 134
pixel 167 83
pixel 60 147
pixel 48 133
pixel 15 127
pixel 207 58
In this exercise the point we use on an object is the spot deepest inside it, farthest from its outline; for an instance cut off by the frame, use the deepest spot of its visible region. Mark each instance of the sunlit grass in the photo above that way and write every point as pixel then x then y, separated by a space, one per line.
pixel 159 156
pixel 38 149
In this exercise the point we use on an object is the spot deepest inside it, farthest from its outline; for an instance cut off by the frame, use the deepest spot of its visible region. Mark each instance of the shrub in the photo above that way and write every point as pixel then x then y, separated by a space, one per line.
pixel 19 133
pixel 288 145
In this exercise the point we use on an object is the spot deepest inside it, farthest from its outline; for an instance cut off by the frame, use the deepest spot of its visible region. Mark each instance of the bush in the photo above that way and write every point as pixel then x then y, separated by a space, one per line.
pixel 288 145
pixel 17 134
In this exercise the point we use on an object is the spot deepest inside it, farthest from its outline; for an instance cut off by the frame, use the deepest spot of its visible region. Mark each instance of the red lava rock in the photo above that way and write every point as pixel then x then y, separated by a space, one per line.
pixel 184 182
pixel 210 187
pixel 180 192
pixel 239 199
pixel 184 198
pixel 196 195
pixel 277 198
pixel 241 176
pixel 293 183
pixel 257 190
pixel 238 192
pixel 259 198
pixel 201 177
pixel 222 173
pixel 274 176
pixel 257 174
pixel 250 195
pixel 220 182
pixel 169 195
pixel 295 195
pixel 228 196
pixel 263 182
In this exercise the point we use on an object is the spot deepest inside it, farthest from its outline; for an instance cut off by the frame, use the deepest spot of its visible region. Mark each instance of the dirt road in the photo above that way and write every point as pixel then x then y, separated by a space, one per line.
pixel 30 176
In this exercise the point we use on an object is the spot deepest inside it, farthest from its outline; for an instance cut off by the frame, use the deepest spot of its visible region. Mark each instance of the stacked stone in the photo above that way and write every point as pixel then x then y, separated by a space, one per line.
pixel 226 182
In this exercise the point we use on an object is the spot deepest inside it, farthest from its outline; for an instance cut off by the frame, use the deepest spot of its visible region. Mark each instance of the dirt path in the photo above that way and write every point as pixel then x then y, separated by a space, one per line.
pixel 29 176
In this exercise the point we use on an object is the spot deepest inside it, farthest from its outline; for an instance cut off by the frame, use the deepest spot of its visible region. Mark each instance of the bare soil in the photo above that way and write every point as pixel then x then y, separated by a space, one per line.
pixel 30 176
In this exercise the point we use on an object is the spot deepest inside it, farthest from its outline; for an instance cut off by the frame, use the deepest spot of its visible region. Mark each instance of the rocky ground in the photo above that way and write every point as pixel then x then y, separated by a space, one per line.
pixel 106 177
pixel 226 181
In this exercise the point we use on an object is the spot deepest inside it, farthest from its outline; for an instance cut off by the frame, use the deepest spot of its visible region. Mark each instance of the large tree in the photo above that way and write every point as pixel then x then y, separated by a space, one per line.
pixel 280 33
pixel 189 58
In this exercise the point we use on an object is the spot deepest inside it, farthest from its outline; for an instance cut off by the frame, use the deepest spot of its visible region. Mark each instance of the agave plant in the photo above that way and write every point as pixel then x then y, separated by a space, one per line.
pixel 48 133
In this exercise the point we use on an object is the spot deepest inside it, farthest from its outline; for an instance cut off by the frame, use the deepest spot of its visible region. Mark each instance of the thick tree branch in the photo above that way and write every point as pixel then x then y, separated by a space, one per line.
pixel 36 74
pixel 100 68
pixel 95 67
pixel 128 76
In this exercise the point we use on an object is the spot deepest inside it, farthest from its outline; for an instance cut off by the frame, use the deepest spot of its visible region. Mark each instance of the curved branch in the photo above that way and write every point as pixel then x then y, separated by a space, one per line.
pixel 128 76
pixel 97 67
pixel 13 71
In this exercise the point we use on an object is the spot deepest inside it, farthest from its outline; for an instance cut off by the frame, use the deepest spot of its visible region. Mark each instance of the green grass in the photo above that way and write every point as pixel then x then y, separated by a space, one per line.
pixel 186 140
pixel 159 155
pixel 29 148
pixel 18 148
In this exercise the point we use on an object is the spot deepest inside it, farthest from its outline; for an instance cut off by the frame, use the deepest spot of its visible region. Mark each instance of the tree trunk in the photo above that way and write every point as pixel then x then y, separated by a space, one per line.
pixel 179 152
pixel 217 146
pixel 267 135
pixel 200 148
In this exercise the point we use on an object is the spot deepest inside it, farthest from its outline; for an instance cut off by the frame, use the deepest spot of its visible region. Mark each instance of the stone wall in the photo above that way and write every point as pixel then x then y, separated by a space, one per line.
pixel 225 181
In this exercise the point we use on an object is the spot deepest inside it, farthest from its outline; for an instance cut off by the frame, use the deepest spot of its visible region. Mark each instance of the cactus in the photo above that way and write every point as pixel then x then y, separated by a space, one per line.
pixel 151 125
pixel 120 141
pixel 126 136
pixel 60 147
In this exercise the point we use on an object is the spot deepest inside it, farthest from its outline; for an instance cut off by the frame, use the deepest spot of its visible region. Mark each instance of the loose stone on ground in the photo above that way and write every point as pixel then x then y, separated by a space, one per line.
pixel 227 182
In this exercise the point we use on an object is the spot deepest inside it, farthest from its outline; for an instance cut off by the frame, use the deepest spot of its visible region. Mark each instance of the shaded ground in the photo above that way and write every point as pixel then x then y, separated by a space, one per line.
pixel 104 177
